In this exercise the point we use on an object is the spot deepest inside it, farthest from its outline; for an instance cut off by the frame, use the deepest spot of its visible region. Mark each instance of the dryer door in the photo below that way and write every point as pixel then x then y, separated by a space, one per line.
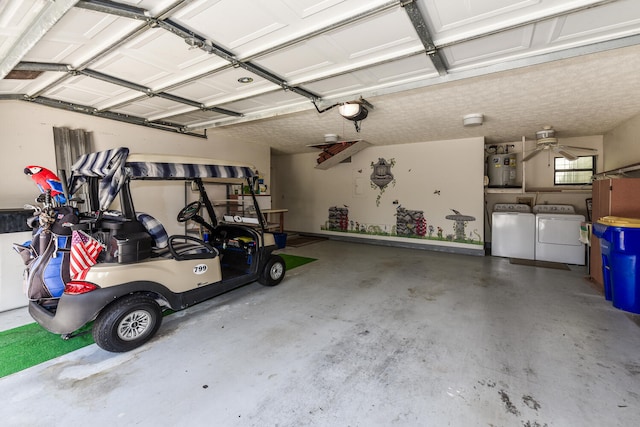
pixel 558 239
pixel 559 230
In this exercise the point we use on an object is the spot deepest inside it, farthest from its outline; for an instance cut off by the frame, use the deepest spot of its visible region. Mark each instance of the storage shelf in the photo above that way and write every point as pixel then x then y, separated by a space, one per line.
pixel 342 155
pixel 631 171
pixel 522 189
pixel 536 190
pixel 518 190
pixel 558 190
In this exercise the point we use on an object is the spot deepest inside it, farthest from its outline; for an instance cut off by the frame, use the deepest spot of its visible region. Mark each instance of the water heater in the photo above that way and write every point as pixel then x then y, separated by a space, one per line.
pixel 501 170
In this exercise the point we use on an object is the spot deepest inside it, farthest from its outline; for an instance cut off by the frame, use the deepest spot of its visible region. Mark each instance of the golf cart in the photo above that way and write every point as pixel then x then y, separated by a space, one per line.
pixel 121 269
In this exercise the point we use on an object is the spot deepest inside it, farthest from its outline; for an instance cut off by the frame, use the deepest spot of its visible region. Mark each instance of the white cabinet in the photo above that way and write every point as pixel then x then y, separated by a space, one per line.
pixel 12 293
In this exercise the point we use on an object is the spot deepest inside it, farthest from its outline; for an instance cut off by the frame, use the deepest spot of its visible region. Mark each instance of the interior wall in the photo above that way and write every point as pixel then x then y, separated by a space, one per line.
pixel 622 146
pixel 539 169
pixel 435 177
pixel 27 139
pixel 538 178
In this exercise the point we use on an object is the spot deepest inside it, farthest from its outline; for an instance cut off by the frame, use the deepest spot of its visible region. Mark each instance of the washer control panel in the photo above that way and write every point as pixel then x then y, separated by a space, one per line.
pixel 554 209
pixel 511 207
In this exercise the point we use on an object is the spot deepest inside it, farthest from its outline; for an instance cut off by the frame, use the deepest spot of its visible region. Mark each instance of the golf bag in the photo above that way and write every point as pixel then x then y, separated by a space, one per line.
pixel 47 255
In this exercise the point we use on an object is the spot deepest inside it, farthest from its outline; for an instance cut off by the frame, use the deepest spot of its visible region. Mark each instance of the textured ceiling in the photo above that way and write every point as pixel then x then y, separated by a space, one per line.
pixel 587 95
pixel 423 64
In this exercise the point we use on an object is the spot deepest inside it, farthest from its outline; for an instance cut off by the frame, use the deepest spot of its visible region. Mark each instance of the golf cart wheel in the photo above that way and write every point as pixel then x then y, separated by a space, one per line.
pixel 273 271
pixel 127 323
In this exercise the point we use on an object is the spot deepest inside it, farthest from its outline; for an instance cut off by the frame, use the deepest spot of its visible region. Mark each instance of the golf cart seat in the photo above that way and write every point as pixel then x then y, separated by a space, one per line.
pixel 155 229
pixel 177 246
pixel 183 248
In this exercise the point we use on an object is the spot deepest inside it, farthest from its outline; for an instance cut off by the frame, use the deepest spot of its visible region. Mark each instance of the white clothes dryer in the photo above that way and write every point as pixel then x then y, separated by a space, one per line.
pixel 512 231
pixel 558 234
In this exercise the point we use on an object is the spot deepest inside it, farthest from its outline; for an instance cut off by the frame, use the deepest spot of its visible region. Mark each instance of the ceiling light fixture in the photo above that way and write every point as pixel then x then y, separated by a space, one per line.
pixel 356 111
pixel 474 119
pixel 245 80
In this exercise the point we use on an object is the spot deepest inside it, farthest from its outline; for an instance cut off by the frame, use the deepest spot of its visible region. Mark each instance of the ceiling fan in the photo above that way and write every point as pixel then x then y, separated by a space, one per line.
pixel 546 141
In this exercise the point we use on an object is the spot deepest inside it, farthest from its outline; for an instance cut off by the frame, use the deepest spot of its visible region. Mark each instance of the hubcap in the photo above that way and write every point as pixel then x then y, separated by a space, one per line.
pixel 276 270
pixel 134 325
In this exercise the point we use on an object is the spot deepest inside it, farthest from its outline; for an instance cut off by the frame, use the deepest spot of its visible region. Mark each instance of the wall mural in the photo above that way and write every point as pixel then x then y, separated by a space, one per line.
pixel 382 176
pixel 408 222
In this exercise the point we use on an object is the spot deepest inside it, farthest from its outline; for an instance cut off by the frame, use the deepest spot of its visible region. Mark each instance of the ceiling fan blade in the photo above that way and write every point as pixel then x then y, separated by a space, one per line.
pixel 565 154
pixel 538 149
pixel 579 148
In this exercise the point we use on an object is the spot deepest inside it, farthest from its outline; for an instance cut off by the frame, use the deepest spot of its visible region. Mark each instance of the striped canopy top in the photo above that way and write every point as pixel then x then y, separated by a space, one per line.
pixel 114 166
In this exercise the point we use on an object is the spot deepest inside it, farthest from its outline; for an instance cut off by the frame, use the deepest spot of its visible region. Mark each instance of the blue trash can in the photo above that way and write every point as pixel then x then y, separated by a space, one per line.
pixel 620 247
pixel 281 239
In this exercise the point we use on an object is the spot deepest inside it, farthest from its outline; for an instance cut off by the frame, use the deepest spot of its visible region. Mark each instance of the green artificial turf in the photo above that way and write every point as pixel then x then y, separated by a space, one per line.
pixel 293 261
pixel 30 345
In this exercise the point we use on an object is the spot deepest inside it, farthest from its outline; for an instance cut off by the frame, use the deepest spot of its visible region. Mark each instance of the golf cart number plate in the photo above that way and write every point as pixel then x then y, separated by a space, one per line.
pixel 200 269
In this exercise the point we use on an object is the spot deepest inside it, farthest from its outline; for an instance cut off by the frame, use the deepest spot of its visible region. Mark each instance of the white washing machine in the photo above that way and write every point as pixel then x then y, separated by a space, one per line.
pixel 513 231
pixel 558 234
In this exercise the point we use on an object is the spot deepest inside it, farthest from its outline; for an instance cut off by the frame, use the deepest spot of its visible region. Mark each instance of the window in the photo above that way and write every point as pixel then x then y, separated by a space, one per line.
pixel 574 172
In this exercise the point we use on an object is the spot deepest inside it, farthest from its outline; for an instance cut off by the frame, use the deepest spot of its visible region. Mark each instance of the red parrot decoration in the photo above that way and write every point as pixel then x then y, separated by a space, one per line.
pixel 46 180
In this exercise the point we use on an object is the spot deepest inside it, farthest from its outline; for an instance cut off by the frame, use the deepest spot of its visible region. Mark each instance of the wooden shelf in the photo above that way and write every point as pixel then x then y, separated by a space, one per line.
pixel 342 155
pixel 558 190
pixel 535 190
pixel 518 190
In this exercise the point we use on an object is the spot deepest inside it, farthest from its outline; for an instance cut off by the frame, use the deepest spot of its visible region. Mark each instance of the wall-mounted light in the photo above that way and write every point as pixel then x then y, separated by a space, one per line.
pixel 356 111
pixel 474 119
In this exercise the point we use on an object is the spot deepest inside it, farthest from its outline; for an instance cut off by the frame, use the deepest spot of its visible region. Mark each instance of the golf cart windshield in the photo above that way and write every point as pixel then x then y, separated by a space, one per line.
pixel 112 169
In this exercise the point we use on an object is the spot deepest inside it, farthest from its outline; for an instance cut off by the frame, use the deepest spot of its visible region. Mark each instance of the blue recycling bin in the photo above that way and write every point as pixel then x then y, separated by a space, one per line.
pixel 620 247
pixel 281 239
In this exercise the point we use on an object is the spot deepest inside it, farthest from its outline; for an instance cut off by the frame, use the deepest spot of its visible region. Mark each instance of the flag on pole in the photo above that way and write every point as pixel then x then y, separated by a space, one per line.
pixel 84 253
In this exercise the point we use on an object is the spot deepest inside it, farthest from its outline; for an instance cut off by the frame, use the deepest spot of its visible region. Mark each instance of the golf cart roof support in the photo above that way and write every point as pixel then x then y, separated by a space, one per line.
pixel 207 202
pixel 126 202
pixel 94 201
pixel 261 219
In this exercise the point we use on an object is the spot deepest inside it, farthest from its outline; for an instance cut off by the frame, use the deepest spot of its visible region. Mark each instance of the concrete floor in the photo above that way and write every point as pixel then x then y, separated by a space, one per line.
pixel 365 336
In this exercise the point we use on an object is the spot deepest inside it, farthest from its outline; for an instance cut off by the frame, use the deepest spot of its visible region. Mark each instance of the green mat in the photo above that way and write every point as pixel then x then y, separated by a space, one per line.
pixel 293 261
pixel 29 345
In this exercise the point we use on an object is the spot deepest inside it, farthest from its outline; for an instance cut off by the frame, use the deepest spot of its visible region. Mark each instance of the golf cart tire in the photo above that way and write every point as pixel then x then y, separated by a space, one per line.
pixel 273 271
pixel 127 323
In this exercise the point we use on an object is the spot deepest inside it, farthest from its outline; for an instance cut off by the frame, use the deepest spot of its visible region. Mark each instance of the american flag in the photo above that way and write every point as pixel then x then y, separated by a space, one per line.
pixel 84 253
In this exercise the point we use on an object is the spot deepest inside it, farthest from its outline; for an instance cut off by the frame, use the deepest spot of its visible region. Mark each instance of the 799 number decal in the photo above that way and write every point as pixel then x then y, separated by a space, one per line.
pixel 200 269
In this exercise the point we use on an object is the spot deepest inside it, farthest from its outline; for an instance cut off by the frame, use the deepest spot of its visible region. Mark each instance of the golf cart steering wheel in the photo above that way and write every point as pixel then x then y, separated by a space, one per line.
pixel 189 211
